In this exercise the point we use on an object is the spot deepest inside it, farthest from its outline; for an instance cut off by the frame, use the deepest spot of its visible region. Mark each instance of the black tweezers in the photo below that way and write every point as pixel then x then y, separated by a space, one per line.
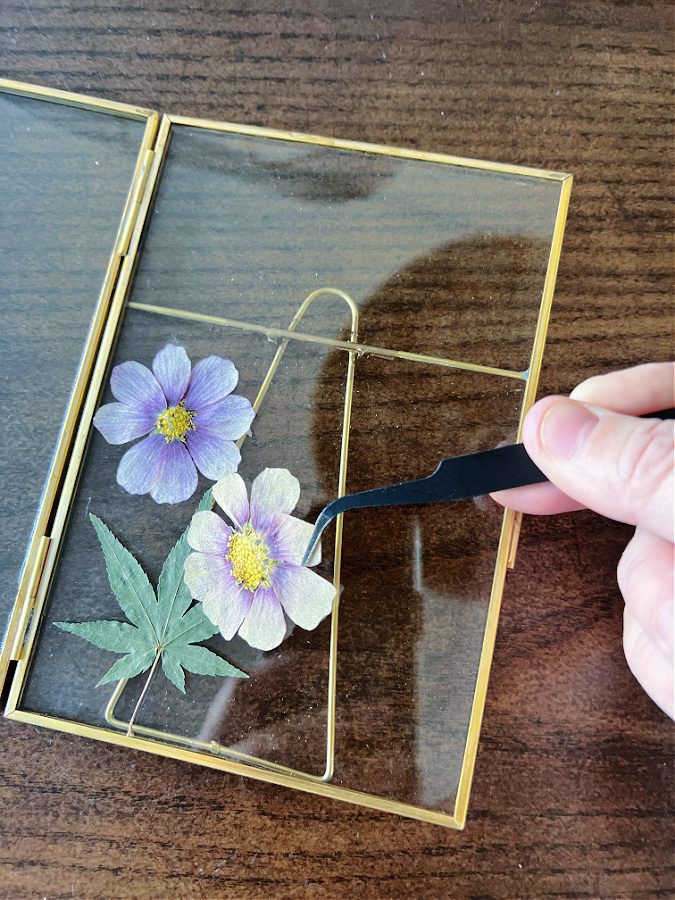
pixel 459 478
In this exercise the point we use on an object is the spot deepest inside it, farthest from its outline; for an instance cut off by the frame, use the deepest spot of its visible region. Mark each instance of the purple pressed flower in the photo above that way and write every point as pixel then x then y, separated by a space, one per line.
pixel 189 416
pixel 248 575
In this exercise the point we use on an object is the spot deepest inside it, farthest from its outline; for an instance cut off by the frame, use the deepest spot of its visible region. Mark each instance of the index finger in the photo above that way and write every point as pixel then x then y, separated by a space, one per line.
pixel 635 391
pixel 642 389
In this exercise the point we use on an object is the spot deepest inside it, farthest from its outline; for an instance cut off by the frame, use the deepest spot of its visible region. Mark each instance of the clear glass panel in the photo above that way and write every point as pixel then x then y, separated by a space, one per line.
pixel 286 687
pixel 415 584
pixel 417 581
pixel 64 179
pixel 442 260
pixel 238 227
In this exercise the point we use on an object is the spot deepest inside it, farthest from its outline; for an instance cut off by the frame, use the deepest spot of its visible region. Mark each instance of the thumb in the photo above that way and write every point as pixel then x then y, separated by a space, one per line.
pixel 619 466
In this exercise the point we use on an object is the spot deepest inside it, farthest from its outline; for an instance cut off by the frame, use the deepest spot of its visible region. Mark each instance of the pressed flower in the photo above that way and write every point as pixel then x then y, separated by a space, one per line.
pixel 188 418
pixel 247 575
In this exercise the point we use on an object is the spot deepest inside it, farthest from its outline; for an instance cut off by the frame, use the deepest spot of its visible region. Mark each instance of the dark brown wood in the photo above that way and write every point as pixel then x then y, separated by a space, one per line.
pixel 573 788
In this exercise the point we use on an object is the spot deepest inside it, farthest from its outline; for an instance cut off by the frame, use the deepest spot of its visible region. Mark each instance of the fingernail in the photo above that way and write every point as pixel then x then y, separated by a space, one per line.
pixel 665 627
pixel 566 427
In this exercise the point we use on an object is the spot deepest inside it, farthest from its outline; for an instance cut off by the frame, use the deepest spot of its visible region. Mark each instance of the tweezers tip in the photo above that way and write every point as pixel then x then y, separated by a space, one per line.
pixel 319 526
pixel 311 547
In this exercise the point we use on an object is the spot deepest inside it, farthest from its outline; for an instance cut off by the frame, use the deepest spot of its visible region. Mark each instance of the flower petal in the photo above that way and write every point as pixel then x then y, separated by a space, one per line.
pixel 172 370
pixel 176 475
pixel 212 379
pixel 264 627
pixel 135 385
pixel 226 605
pixel 290 539
pixel 119 423
pixel 138 468
pixel 204 572
pixel 208 533
pixel 231 496
pixel 273 491
pixel 214 456
pixel 306 597
pixel 229 418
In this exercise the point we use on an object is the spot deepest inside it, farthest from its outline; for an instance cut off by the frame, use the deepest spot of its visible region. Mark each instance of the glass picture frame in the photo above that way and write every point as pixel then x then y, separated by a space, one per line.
pixel 385 309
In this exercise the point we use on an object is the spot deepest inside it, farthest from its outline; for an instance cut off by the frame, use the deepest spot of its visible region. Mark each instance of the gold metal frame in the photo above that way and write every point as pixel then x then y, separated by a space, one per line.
pixel 46 546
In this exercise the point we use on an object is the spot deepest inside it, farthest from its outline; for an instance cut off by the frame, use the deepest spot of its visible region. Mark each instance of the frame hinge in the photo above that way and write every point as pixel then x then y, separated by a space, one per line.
pixel 31 596
pixel 513 543
pixel 134 202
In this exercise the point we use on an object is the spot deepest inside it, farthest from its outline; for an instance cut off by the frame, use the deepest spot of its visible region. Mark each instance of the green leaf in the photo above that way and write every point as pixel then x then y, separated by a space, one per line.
pixel 129 666
pixel 191 628
pixel 202 661
pixel 128 581
pixel 173 596
pixel 118 637
pixel 206 502
pixel 173 671
pixel 167 624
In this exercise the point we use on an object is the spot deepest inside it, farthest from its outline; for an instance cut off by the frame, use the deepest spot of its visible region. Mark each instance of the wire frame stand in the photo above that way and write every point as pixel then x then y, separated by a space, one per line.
pixel 214 747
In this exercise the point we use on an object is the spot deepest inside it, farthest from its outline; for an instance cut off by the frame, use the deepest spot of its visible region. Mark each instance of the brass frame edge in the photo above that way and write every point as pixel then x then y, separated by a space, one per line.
pixel 348 346
pixel 31 593
pixel 363 147
pixel 547 298
pixel 69 98
pixel 511 527
pixel 83 401
pixel 133 203
pixel 536 357
pixel 323 789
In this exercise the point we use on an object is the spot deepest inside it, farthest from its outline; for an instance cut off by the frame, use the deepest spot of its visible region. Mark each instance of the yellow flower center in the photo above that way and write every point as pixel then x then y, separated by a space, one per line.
pixel 175 423
pixel 250 558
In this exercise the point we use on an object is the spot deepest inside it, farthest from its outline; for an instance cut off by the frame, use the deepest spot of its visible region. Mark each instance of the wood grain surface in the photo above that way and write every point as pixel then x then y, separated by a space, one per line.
pixel 573 792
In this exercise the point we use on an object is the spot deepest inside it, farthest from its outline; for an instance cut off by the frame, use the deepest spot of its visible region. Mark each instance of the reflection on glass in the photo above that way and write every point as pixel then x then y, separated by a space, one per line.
pixel 417 581
pixel 64 179
pixel 449 260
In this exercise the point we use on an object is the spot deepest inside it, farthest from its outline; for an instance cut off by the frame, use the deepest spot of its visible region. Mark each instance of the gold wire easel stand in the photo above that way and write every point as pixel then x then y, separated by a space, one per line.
pixel 213 747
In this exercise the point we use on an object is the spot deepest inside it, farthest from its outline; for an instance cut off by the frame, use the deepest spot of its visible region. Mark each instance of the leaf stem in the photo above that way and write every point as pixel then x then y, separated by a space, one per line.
pixel 130 729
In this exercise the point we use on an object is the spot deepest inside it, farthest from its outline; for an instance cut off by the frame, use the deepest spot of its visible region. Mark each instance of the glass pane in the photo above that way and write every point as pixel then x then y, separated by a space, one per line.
pixel 288 686
pixel 64 179
pixel 439 260
pixel 415 583
pixel 442 260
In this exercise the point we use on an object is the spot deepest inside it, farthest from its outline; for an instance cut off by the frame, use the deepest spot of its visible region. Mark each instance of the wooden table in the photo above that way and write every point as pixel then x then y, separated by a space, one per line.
pixel 573 788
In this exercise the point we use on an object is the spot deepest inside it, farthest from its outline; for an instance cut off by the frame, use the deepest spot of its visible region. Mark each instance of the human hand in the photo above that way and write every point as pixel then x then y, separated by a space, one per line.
pixel 621 467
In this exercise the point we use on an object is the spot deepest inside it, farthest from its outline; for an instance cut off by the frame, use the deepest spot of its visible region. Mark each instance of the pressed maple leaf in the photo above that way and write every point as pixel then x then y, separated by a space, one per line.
pixel 164 626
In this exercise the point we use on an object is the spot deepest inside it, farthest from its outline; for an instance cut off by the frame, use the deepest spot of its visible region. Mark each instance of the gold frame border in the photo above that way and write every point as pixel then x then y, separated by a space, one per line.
pixel 23 644
pixel 511 526
pixel 334 792
pixel 34 558
pixel 68 98
pixel 363 147
pixel 505 550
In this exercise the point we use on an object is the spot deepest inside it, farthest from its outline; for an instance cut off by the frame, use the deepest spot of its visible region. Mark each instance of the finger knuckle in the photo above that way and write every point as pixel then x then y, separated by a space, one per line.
pixel 631 635
pixel 625 569
pixel 645 462
pixel 630 571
